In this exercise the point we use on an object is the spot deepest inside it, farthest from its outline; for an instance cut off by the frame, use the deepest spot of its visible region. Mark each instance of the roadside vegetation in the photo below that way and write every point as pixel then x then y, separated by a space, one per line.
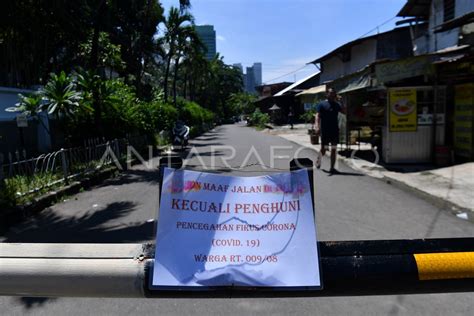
pixel 109 69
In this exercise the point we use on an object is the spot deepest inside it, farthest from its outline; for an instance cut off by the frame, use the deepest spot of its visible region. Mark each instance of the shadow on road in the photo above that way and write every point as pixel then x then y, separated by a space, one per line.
pixel 33 302
pixel 133 176
pixel 91 227
pixel 342 173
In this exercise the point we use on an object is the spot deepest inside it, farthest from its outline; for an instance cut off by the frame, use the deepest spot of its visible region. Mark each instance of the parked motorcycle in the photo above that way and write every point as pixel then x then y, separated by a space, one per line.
pixel 180 135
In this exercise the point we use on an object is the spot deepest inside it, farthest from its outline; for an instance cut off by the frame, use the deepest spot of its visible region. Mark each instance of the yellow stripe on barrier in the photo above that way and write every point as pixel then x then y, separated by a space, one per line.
pixel 447 265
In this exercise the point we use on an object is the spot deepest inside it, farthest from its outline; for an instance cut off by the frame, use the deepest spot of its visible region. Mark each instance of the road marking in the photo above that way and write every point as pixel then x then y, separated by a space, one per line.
pixel 448 265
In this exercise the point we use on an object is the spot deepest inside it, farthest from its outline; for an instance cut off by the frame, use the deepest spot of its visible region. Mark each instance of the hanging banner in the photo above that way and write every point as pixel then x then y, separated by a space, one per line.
pixel 216 230
pixel 464 119
pixel 402 110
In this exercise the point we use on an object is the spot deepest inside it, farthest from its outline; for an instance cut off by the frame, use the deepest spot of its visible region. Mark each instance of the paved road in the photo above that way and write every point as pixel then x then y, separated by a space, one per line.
pixel 350 206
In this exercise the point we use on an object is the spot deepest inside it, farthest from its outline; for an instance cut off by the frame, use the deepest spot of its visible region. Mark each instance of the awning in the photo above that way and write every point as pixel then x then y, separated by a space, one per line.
pixel 359 82
pixel 313 90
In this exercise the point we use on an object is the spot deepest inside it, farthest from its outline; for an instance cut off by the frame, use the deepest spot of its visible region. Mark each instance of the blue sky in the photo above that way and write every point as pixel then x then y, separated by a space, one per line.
pixel 285 35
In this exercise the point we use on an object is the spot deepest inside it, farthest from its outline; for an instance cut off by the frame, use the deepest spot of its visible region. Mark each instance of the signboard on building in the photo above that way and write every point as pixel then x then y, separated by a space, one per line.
pixel 216 230
pixel 404 68
pixel 22 120
pixel 463 119
pixel 402 110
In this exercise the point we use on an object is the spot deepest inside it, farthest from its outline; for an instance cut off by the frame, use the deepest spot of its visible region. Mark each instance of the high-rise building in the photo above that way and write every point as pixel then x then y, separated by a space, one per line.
pixel 250 80
pixel 243 76
pixel 238 66
pixel 257 72
pixel 207 34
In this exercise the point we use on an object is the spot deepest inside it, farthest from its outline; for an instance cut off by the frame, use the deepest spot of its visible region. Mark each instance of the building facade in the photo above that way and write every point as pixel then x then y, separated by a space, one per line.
pixel 207 34
pixel 257 72
pixel 252 77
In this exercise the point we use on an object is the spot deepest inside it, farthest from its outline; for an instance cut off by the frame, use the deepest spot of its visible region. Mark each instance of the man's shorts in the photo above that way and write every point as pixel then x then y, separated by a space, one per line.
pixel 332 139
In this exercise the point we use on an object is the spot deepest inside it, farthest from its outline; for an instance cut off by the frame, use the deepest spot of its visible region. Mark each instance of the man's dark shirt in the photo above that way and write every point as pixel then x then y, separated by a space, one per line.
pixel 328 112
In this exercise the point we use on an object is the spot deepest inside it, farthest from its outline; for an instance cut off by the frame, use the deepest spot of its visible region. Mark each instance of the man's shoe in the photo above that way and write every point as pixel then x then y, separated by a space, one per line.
pixel 318 162
pixel 333 171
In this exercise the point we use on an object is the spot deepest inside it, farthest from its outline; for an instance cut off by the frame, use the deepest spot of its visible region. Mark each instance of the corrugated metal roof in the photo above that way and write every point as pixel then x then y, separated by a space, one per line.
pixel 294 85
pixel 313 90
pixel 418 8
pixel 355 42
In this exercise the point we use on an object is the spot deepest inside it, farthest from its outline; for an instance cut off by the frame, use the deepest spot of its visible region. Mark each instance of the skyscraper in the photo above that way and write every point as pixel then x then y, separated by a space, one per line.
pixel 250 80
pixel 239 66
pixel 207 34
pixel 257 72
pixel 243 76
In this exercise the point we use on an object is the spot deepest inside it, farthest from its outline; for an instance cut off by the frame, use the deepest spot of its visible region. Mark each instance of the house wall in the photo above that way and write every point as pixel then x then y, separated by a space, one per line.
pixel 36 138
pixel 361 55
pixel 463 7
pixel 8 98
pixel 393 45
pixel 10 140
pixel 332 68
pixel 449 38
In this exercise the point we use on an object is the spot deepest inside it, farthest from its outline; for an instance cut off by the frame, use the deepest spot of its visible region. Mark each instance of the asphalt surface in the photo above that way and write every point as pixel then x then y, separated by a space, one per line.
pixel 349 206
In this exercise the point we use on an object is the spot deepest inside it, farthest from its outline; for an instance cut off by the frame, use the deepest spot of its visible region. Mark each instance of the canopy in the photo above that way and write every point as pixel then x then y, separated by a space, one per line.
pixel 313 90
pixel 360 82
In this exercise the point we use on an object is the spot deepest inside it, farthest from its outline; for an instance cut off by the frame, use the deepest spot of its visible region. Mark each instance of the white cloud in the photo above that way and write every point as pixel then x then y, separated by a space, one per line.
pixel 220 38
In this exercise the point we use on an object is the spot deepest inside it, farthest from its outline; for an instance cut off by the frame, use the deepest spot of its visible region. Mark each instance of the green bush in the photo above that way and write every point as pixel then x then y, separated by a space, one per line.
pixel 308 116
pixel 13 191
pixel 195 116
pixel 259 119
pixel 152 117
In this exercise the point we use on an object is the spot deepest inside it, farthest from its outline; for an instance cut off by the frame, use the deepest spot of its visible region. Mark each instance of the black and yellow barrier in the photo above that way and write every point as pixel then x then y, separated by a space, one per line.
pixel 374 267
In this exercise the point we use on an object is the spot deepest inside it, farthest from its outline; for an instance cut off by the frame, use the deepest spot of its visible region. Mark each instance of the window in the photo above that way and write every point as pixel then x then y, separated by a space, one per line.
pixel 448 9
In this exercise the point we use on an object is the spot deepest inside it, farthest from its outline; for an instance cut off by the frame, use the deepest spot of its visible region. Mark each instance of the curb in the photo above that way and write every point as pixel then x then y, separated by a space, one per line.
pixel 439 202
pixel 16 214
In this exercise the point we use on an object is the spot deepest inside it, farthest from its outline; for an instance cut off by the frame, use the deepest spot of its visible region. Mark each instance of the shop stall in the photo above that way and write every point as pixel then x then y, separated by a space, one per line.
pixel 409 131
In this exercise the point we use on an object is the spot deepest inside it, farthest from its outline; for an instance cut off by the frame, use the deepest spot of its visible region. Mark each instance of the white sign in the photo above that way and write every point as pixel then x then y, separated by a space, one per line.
pixel 216 230
pixel 21 120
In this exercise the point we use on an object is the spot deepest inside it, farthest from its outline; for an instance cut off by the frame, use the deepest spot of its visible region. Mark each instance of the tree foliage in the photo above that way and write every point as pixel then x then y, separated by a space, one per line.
pixel 105 64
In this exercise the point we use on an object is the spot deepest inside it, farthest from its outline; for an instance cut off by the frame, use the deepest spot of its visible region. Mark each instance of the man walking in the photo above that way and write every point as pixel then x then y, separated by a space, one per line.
pixel 328 127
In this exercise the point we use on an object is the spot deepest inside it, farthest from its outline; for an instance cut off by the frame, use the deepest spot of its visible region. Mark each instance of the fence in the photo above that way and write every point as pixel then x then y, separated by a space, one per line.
pixel 47 170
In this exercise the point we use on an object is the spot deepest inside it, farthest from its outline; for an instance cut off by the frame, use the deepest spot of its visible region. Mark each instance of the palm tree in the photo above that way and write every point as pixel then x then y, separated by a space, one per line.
pixel 62 99
pixel 30 106
pixel 174 24
pixel 184 5
pixel 188 46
